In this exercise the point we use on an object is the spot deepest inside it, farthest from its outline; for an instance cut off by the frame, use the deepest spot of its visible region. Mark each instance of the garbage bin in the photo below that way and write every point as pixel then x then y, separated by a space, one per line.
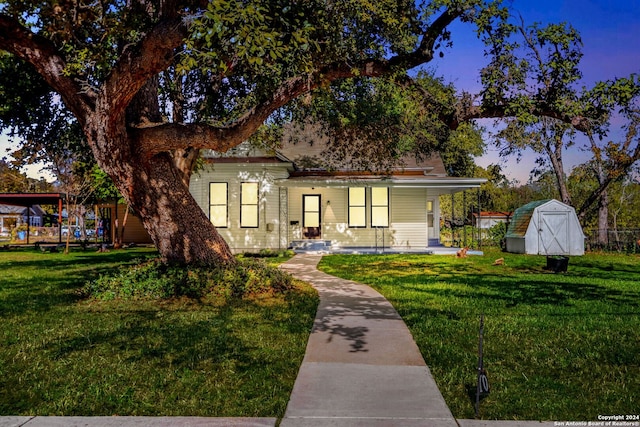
pixel 22 235
pixel 557 264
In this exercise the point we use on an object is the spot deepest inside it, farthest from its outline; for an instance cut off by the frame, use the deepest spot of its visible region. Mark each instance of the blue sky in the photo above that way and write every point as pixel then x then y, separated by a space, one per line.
pixel 610 32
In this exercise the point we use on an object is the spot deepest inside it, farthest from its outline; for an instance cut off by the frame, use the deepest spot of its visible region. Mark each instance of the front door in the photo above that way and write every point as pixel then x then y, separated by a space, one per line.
pixel 311 216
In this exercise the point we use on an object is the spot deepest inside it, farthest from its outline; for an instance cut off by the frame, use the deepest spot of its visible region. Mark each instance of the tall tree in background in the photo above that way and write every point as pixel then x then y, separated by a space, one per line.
pixel 149 84
pixel 550 66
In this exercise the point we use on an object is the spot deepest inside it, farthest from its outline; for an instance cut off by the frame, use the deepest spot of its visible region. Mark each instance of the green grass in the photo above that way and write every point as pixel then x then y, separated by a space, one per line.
pixel 61 354
pixel 557 346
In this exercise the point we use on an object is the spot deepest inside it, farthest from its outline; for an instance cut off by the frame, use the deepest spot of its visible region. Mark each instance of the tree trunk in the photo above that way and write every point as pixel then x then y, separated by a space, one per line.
pixel 155 188
pixel 179 228
pixel 554 152
pixel 124 224
pixel 603 218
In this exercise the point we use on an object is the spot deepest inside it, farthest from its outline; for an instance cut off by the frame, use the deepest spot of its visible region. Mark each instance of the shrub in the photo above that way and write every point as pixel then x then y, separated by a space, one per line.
pixel 497 235
pixel 156 280
pixel 268 253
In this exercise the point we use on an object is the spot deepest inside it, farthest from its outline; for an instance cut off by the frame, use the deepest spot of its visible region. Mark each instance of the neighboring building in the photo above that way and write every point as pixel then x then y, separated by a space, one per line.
pixel 13 216
pixel 485 220
pixel 109 219
pixel 275 200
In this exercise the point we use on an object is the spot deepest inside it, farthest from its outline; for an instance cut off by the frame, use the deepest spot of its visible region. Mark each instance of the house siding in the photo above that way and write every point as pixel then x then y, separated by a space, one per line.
pixel 281 217
pixel 407 214
pixel 409 217
pixel 267 234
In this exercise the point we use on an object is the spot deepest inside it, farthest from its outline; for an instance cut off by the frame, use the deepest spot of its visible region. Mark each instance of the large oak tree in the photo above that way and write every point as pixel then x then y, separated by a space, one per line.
pixel 150 83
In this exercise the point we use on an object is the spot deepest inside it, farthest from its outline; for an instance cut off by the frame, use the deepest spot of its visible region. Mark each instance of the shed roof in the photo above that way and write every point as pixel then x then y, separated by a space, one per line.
pixel 491 214
pixel 521 218
pixel 12 210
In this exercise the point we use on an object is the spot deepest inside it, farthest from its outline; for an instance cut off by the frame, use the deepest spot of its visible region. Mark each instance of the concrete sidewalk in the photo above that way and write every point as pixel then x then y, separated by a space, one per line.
pixel 362 366
pixel 135 422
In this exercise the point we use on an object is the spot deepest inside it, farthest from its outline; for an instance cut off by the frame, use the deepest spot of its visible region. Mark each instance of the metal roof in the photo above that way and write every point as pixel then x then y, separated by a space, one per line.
pixel 521 218
pixel 30 199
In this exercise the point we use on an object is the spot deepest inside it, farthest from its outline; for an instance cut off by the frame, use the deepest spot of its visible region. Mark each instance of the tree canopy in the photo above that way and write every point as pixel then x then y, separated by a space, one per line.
pixel 149 84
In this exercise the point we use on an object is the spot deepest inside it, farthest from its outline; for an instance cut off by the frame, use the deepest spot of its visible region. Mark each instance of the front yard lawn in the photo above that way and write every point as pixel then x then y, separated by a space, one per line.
pixel 557 346
pixel 61 354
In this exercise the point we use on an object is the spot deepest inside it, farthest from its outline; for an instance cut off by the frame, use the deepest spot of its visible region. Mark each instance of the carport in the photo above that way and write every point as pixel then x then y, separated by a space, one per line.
pixel 28 200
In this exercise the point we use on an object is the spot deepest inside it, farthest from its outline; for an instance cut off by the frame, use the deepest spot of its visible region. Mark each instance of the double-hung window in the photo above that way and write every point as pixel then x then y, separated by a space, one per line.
pixel 218 205
pixel 249 202
pixel 379 207
pixel 357 207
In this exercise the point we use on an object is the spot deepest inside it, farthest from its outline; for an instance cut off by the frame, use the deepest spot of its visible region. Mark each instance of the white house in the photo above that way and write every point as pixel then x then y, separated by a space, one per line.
pixel 485 219
pixel 274 200
pixel 12 216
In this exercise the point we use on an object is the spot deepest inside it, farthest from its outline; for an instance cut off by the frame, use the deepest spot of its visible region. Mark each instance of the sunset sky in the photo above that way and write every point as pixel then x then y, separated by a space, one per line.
pixel 610 33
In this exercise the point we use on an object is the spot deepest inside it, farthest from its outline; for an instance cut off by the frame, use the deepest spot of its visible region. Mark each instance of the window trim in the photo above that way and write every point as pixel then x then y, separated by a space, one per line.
pixel 226 204
pixel 350 205
pixel 257 204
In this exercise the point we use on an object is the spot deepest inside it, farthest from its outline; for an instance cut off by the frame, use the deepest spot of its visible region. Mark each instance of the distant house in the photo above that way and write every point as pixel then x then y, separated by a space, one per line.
pixel 486 219
pixel 12 216
pixel 260 199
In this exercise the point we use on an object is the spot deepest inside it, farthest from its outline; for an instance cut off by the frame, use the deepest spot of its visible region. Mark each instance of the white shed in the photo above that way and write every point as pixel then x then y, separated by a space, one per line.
pixel 545 227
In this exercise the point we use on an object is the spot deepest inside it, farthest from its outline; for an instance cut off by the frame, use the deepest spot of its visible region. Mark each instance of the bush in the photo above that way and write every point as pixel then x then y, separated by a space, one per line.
pixel 268 253
pixel 156 280
pixel 497 235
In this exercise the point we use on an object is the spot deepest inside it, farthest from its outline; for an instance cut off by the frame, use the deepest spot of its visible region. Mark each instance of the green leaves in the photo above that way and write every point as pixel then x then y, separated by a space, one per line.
pixel 233 36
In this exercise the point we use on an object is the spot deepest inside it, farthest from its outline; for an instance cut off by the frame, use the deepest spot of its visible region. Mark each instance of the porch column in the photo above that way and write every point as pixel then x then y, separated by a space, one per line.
pixel 28 222
pixel 283 226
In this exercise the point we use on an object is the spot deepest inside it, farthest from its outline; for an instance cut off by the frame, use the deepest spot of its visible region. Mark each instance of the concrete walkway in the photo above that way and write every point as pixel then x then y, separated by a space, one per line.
pixel 362 366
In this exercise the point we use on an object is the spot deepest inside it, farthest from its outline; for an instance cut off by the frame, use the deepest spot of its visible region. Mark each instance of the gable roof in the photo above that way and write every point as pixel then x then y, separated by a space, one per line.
pixel 308 159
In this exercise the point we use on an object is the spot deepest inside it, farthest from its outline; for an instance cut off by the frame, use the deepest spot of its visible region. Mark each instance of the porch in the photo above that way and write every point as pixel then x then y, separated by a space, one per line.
pixel 325 247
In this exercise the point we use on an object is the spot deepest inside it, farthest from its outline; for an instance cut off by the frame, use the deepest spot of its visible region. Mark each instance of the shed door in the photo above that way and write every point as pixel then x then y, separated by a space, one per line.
pixel 553 233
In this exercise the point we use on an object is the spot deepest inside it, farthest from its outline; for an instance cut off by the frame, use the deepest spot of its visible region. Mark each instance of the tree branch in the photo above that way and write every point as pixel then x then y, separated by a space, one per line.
pixel 581 123
pixel 182 136
pixel 48 62
pixel 154 53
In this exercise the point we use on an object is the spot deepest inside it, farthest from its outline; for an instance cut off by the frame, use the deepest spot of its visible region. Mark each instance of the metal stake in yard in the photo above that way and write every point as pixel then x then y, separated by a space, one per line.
pixel 483 382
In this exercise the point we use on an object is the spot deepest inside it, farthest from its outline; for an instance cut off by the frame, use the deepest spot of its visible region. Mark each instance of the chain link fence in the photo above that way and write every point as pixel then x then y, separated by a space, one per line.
pixel 614 240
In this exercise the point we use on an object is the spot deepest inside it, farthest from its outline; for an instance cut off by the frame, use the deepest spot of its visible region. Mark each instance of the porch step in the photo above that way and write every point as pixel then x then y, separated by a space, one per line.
pixel 311 245
pixel 434 242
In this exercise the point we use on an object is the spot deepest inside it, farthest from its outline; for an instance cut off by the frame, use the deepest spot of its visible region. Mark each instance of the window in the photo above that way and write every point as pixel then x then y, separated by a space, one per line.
pixel 218 204
pixel 379 207
pixel 357 207
pixel 249 205
pixel 311 210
